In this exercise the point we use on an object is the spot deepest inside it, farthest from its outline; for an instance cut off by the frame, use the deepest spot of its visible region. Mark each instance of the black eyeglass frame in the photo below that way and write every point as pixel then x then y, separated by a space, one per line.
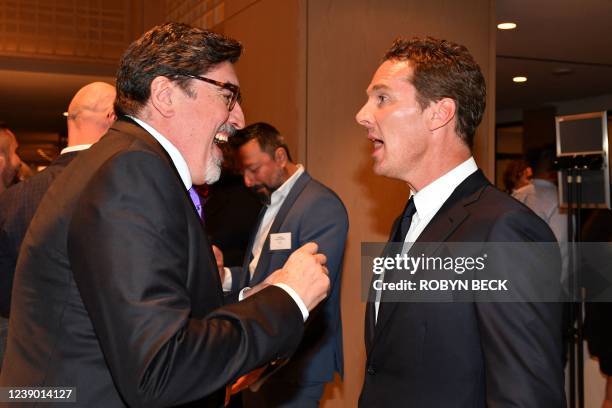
pixel 234 89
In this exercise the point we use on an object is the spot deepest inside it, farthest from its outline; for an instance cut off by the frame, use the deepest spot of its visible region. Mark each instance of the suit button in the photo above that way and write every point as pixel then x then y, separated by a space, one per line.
pixel 371 370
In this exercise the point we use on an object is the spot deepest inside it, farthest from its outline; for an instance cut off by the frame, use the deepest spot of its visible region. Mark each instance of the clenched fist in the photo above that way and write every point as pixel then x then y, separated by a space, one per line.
pixel 304 272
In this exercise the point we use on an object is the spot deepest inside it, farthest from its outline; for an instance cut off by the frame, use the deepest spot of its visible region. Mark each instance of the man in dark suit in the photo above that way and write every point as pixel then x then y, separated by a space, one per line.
pixel 116 291
pixel 297 209
pixel 9 167
pixel 424 104
pixel 90 114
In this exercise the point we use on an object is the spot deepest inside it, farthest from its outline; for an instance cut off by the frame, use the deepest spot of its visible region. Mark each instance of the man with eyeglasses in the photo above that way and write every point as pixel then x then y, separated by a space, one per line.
pixel 117 292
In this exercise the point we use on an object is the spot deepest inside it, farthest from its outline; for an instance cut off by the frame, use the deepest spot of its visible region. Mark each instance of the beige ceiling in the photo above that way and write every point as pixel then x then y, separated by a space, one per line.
pixel 36 92
pixel 36 100
pixel 553 35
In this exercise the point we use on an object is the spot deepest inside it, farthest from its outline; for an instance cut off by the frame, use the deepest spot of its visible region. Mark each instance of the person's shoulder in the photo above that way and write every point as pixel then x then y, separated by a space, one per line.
pixel 499 201
pixel 116 146
pixel 319 191
pixel 318 187
pixel 524 193
pixel 503 212
pixel 116 155
pixel 494 204
pixel 28 192
pixel 545 189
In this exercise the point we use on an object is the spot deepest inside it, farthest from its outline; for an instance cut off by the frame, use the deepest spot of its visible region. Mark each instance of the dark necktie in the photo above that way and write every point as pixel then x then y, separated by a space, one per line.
pixel 195 198
pixel 406 220
pixel 400 235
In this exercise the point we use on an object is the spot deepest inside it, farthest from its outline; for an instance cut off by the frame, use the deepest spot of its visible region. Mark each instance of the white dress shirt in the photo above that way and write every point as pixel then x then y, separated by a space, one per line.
pixel 428 202
pixel 542 197
pixel 177 158
pixel 75 148
pixel 276 201
pixel 181 166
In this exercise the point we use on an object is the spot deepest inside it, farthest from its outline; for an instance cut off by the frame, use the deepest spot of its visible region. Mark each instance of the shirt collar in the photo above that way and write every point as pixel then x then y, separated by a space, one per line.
pixel 75 148
pixel 529 187
pixel 280 193
pixel 176 157
pixel 430 198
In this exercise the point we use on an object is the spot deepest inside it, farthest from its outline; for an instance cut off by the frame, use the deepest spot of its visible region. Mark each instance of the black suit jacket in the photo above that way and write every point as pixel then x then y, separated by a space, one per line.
pixel 117 291
pixel 231 213
pixel 468 354
pixel 17 207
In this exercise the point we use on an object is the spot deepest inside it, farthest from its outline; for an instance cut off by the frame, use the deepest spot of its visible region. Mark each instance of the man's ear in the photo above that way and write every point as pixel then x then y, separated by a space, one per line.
pixel 442 112
pixel 280 156
pixel 162 93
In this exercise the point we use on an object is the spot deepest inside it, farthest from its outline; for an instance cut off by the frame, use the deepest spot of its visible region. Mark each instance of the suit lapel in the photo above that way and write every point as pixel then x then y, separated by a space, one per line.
pixel 261 271
pixel 450 216
pixel 248 255
pixel 370 319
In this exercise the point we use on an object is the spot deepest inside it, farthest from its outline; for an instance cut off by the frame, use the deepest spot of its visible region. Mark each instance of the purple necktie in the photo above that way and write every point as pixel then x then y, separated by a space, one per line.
pixel 193 194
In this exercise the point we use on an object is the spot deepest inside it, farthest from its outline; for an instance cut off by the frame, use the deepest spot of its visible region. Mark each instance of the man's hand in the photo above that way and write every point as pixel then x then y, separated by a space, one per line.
pixel 219 259
pixel 304 272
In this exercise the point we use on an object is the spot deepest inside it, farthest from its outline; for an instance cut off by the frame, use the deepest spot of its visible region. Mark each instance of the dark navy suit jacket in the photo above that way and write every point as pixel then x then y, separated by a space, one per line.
pixel 311 212
pixel 469 354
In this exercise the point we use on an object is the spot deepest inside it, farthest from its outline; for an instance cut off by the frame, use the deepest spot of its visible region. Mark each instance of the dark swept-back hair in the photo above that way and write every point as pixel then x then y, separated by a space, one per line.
pixel 268 137
pixel 513 173
pixel 168 50
pixel 443 69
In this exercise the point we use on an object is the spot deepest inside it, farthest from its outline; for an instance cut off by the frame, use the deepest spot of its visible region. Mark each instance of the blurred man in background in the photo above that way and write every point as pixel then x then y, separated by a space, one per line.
pixel 90 114
pixel 9 160
pixel 297 209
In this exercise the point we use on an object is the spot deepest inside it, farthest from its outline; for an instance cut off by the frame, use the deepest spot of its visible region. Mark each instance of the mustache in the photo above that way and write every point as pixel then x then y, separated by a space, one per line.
pixel 263 196
pixel 225 132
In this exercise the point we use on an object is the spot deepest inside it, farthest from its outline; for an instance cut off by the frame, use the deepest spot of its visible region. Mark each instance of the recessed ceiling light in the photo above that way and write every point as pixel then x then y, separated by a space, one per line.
pixel 506 26
pixel 519 79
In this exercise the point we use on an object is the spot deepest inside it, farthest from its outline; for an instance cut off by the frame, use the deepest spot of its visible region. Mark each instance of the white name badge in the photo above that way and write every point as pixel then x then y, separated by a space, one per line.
pixel 280 241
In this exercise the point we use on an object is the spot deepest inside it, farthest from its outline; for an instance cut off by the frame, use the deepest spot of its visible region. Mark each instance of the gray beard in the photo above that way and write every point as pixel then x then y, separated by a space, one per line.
pixel 213 170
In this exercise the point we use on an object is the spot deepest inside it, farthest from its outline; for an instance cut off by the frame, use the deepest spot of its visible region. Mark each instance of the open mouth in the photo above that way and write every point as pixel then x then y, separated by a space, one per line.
pixel 226 131
pixel 221 138
pixel 377 143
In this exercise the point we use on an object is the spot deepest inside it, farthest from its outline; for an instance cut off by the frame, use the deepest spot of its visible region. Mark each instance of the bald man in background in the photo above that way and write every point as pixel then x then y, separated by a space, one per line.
pixel 90 114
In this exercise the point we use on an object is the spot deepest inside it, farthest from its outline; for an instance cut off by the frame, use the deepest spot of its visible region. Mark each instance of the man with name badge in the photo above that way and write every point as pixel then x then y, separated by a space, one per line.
pixel 297 209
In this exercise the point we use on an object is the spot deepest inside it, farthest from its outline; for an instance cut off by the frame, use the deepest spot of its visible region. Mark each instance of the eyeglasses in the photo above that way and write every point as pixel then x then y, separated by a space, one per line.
pixel 234 89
